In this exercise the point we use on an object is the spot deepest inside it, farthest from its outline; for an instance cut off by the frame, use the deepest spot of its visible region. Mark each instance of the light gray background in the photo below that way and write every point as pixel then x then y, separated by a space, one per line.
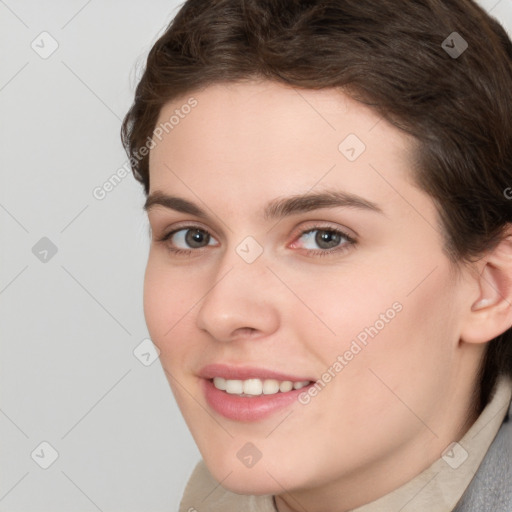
pixel 71 322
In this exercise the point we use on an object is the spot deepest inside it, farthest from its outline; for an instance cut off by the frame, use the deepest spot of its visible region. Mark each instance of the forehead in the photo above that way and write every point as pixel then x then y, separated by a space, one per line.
pixel 256 135
pixel 265 109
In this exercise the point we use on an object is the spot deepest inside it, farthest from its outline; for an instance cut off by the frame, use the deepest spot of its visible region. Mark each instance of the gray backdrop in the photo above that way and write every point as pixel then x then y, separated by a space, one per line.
pixel 87 419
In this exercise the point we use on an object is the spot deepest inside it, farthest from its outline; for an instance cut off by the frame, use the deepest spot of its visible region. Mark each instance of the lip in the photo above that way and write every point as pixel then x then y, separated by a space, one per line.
pixel 247 409
pixel 247 372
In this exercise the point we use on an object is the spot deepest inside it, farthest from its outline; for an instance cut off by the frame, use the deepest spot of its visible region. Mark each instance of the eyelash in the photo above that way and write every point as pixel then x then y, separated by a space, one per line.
pixel 350 241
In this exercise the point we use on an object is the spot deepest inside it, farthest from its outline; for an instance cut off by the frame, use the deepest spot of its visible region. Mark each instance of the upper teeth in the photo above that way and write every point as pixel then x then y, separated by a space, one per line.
pixel 256 386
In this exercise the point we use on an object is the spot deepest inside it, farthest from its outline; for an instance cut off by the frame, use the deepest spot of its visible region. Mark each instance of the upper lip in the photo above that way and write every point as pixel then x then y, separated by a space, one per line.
pixel 246 372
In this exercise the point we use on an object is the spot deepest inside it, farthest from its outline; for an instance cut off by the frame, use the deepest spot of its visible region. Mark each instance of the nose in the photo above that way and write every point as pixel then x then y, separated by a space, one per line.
pixel 240 300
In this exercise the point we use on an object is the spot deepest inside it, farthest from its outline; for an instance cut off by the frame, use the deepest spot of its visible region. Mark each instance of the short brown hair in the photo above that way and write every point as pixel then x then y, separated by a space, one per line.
pixel 388 54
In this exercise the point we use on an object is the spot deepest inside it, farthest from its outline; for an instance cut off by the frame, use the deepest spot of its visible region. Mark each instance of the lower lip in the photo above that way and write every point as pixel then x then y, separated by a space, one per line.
pixel 248 409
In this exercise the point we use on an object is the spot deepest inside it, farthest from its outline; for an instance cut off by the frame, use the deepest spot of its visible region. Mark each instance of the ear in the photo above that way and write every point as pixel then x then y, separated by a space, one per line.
pixel 491 311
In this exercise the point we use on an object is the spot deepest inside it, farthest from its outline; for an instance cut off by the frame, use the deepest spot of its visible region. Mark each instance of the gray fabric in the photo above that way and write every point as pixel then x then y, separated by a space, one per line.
pixel 490 489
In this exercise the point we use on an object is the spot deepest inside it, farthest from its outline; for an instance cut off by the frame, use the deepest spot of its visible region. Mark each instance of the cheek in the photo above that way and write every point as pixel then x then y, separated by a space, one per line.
pixel 389 320
pixel 395 349
pixel 344 301
pixel 168 300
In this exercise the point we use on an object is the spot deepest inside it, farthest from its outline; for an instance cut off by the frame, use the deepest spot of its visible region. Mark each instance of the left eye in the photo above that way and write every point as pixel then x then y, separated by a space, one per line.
pixel 324 239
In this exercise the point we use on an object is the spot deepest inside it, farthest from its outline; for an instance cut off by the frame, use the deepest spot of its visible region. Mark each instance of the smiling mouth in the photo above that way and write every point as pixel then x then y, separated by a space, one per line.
pixel 256 387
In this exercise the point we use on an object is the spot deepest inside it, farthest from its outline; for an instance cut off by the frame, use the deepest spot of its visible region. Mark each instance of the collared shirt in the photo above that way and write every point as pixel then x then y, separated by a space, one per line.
pixel 436 489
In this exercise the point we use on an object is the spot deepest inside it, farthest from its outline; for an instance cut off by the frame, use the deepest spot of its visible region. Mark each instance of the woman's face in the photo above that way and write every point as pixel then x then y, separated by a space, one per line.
pixel 349 288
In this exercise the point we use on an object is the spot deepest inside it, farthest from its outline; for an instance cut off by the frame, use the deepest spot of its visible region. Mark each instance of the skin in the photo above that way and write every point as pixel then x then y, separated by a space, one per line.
pixel 395 407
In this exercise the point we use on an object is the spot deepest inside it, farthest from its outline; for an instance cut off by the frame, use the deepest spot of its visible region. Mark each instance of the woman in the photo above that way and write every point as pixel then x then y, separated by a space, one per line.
pixel 330 275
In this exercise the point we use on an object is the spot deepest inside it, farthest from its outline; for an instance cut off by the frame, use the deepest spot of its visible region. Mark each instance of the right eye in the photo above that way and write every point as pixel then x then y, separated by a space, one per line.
pixel 189 237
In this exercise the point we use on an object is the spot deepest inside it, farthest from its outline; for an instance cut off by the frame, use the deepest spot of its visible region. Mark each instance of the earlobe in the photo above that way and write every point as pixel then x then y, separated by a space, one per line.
pixel 491 312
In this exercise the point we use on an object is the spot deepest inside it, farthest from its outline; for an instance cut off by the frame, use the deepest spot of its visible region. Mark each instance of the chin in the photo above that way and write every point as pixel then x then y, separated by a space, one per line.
pixel 241 480
pixel 248 483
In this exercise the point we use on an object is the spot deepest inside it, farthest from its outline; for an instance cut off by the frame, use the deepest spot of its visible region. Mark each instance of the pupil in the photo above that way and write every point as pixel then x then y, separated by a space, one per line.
pixel 330 238
pixel 195 238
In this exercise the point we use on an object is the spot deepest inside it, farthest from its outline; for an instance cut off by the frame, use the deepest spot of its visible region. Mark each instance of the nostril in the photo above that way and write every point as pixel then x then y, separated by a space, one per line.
pixel 247 331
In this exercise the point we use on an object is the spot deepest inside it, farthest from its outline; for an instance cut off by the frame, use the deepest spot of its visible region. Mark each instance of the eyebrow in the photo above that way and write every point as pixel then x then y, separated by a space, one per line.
pixel 275 209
